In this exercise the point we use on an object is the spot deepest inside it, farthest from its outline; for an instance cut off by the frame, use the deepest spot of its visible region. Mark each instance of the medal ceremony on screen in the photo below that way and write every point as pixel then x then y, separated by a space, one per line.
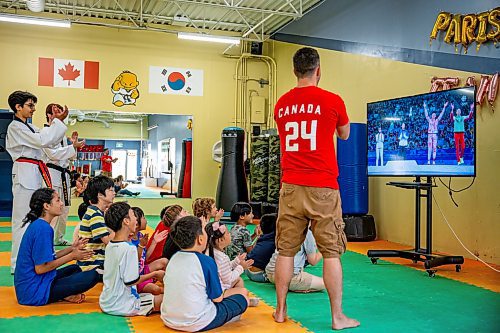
pixel 243 166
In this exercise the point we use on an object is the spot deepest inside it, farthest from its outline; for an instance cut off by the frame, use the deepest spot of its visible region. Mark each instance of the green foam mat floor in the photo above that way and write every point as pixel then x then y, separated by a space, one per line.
pixel 6 279
pixel 5 230
pixel 95 322
pixel 393 298
pixel 5 246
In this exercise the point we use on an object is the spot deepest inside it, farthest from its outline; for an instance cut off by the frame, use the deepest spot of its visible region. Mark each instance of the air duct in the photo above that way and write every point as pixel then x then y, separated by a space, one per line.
pixel 36 5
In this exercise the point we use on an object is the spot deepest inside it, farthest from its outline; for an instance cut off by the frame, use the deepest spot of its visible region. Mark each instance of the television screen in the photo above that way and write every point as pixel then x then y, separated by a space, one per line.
pixel 432 134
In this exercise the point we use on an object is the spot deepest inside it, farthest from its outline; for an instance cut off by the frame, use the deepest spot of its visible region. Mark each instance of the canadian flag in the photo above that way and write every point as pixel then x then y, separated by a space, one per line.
pixel 66 73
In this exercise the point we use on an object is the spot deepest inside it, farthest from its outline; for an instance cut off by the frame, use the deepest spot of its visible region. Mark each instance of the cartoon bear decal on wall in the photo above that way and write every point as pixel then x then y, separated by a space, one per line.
pixel 125 89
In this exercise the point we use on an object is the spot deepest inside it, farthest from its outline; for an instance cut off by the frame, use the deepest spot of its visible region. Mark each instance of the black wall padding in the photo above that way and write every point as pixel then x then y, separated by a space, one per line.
pixel 232 186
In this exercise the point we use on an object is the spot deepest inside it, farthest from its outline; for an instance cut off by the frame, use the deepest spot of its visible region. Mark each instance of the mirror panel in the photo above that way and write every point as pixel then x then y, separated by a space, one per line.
pixel 147 149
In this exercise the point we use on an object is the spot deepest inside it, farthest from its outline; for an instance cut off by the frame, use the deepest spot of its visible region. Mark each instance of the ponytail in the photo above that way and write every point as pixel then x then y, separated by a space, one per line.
pixel 215 231
pixel 171 214
pixel 38 199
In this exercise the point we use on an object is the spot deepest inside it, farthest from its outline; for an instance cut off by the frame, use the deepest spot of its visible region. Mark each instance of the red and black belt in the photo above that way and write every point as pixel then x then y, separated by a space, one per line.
pixel 44 171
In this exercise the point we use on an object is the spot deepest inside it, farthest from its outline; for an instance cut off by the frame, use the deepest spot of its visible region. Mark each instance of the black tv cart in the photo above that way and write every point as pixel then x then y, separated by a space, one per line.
pixel 416 254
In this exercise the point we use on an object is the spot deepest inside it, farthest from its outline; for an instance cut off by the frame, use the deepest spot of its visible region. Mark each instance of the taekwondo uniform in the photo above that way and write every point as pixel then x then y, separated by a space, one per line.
pixel 57 160
pixel 24 143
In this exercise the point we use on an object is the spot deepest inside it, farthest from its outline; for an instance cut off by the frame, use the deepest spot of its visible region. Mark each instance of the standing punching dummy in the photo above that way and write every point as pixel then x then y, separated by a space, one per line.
pixel 307 118
pixel 57 160
pixel 24 143
pixel 232 186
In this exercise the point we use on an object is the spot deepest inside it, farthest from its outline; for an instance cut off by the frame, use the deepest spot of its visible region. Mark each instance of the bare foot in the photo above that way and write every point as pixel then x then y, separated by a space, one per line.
pixel 343 321
pixel 75 298
pixel 280 316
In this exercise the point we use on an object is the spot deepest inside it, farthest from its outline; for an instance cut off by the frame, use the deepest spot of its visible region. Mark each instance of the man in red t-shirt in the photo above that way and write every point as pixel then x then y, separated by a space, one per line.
pixel 307 118
pixel 106 163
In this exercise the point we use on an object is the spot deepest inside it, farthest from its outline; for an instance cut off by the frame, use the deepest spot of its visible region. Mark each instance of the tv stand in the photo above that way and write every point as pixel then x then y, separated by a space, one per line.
pixel 171 173
pixel 417 254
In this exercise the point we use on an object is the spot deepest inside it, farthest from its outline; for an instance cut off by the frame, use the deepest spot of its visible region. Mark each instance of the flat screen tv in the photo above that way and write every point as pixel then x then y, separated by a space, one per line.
pixel 431 134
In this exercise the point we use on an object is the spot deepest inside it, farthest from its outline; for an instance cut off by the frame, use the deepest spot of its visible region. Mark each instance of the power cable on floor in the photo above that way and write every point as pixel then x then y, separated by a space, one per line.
pixel 453 231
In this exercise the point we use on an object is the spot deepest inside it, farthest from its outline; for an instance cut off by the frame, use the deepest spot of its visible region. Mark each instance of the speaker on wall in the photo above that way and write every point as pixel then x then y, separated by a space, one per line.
pixel 256 48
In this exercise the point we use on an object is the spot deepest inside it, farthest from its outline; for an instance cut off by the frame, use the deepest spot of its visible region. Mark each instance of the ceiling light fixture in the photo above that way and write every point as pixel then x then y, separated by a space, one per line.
pixel 34 20
pixel 125 120
pixel 208 38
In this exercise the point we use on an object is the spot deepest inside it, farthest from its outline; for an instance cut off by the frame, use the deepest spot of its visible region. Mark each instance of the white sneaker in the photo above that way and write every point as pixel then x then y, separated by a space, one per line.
pixel 433 162
pixel 234 319
pixel 461 160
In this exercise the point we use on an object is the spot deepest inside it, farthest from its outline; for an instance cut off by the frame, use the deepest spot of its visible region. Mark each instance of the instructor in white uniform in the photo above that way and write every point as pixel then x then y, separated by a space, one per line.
pixel 57 159
pixel 24 143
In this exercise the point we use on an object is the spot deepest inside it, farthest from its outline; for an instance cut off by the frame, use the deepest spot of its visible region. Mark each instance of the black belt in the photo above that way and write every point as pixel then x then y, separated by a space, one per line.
pixel 63 172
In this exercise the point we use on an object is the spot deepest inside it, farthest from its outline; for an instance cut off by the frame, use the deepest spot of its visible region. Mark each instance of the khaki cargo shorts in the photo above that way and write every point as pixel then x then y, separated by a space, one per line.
pixel 319 206
pixel 299 282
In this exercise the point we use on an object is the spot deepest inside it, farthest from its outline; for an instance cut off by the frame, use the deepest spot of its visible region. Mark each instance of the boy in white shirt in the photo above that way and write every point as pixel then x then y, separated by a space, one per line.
pixel 193 299
pixel 121 269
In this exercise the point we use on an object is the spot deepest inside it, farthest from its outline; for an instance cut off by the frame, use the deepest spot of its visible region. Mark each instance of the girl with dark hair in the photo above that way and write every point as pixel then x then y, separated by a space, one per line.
pixel 37 280
pixel 229 271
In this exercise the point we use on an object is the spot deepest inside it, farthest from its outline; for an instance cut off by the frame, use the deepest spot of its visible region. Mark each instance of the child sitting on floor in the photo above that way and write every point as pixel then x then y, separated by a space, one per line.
pixel 241 242
pixel 302 282
pixel 193 299
pixel 100 193
pixel 121 269
pixel 140 241
pixel 37 280
pixel 205 207
pixel 229 271
pixel 156 243
pixel 263 249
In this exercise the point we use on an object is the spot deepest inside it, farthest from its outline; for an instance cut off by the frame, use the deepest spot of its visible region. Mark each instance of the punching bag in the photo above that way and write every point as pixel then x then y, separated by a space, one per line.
pixel 184 187
pixel 259 168
pixel 232 186
pixel 186 184
pixel 274 173
pixel 353 177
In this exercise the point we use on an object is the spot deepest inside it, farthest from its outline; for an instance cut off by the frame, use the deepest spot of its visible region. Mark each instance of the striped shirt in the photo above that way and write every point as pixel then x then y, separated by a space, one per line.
pixel 93 228
pixel 229 271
